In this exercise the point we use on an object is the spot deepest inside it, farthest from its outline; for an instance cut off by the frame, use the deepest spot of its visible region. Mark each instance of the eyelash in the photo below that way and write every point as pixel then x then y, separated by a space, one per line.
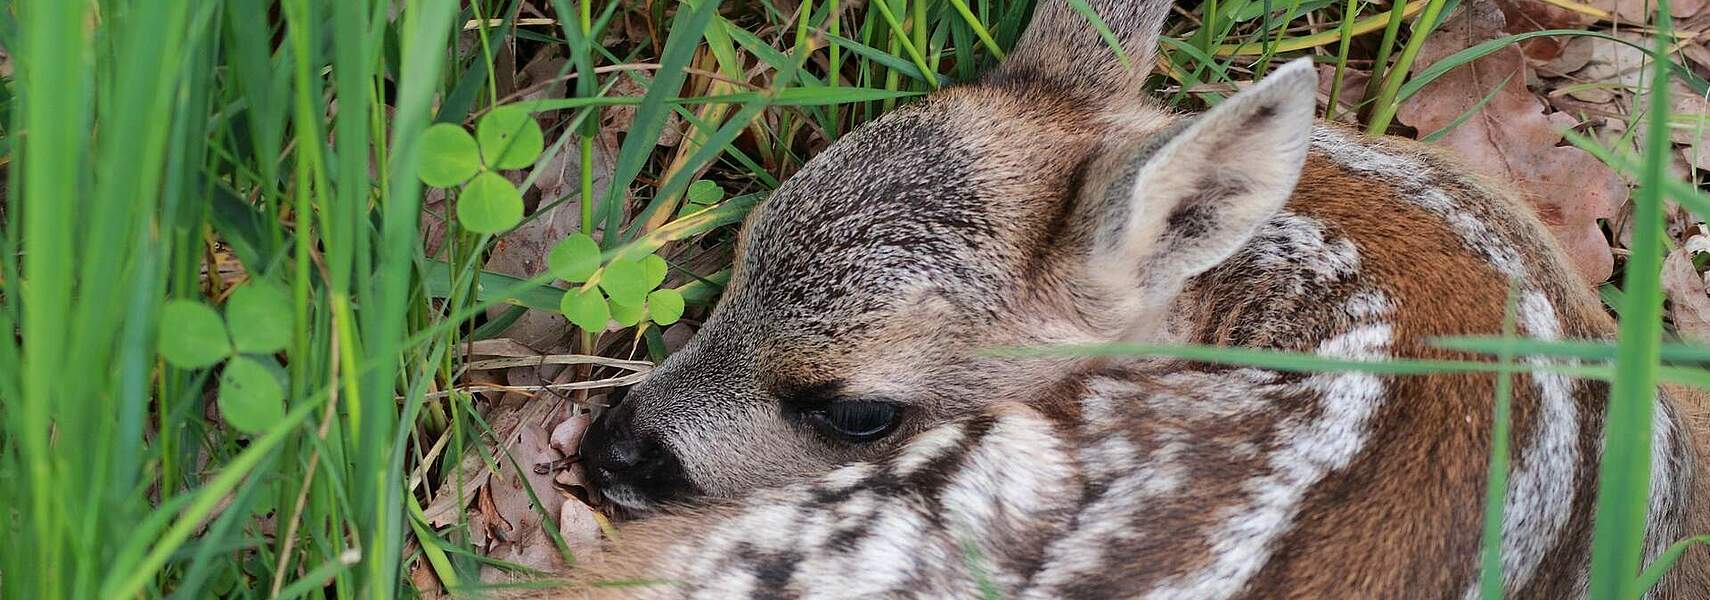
pixel 855 420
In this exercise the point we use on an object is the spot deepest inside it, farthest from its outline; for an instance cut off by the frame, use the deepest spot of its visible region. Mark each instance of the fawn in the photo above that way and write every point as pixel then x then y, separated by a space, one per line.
pixel 1050 203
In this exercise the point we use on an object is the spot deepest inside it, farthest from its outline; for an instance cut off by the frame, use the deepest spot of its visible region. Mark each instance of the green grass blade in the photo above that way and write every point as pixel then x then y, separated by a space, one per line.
pixel 686 32
pixel 1624 477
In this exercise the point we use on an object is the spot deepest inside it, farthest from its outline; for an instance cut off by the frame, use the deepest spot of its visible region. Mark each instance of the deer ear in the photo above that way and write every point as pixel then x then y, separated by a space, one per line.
pixel 1185 200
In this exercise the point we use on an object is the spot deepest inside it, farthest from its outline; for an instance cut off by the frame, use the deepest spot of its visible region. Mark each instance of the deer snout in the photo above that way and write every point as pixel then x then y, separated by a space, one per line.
pixel 632 468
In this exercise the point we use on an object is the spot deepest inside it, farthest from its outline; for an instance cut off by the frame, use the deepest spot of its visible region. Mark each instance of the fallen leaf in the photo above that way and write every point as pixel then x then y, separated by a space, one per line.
pixel 581 532
pixel 1698 54
pixel 499 347
pixel 522 252
pixel 504 416
pixel 446 505
pixel 1690 126
pixel 524 541
pixel 1353 83
pixel 619 118
pixel 1613 68
pixel 1534 15
pixel 539 78
pixel 1573 57
pixel 1512 138
pixel 426 582
pixel 567 436
pixel 1638 12
pixel 1688 301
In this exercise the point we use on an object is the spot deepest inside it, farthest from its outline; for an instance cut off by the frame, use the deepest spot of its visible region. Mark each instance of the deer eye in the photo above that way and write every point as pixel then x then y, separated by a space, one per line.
pixel 856 420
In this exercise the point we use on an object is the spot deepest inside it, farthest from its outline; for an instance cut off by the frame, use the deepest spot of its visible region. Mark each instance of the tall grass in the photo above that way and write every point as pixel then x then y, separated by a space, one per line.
pixel 169 151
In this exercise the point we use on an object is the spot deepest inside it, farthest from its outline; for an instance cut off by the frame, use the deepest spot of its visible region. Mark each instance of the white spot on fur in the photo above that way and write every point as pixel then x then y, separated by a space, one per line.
pixel 888 554
pixel 1541 487
pixel 1109 518
pixel 1010 474
pixel 847 476
pixel 1109 457
pixel 1540 493
pixel 1290 241
pixel 1366 305
pixel 1167 473
pixel 1310 449
pixel 926 447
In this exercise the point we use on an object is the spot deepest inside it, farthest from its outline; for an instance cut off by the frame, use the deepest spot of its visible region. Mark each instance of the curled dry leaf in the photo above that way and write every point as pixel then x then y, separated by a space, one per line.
pixel 1512 138
pixel 1688 300
pixel 567 436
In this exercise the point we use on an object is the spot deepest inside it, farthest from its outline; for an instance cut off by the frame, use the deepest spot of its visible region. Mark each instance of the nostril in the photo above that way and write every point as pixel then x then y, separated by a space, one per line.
pixel 625 454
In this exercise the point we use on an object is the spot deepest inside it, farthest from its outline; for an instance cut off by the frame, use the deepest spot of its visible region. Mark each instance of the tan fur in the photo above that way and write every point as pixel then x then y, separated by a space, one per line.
pixel 1691 576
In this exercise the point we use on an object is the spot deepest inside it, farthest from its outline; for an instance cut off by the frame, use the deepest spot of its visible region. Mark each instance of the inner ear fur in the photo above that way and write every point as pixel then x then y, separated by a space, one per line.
pixel 1163 209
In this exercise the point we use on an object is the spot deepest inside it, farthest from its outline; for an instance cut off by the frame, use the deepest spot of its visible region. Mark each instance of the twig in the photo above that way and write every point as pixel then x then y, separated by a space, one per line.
pixel 630 379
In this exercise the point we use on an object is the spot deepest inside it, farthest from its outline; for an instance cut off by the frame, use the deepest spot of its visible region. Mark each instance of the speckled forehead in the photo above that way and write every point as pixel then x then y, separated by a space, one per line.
pixel 896 206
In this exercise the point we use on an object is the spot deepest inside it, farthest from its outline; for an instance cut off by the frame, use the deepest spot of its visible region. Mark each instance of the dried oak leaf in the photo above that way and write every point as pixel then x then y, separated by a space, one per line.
pixel 1688 301
pixel 1512 138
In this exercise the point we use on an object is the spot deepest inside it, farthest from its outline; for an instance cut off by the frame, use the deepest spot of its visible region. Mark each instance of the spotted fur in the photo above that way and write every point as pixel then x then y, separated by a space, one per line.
pixel 1049 203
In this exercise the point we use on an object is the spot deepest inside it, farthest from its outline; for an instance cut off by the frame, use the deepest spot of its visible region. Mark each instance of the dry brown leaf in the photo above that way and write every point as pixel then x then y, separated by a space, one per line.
pixel 1573 57
pixel 1691 127
pixel 522 252
pixel 500 347
pixel 581 532
pixel 1512 138
pixel 505 417
pixel 1688 301
pixel 524 541
pixel 619 118
pixel 446 505
pixel 435 221
pixel 1613 69
pixel 425 581
pixel 1639 12
pixel 539 78
pixel 1353 81
pixel 567 436
pixel 1533 15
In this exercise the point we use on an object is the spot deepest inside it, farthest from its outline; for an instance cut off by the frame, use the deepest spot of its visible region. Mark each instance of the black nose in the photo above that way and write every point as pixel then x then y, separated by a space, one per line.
pixel 629 466
pixel 626 454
